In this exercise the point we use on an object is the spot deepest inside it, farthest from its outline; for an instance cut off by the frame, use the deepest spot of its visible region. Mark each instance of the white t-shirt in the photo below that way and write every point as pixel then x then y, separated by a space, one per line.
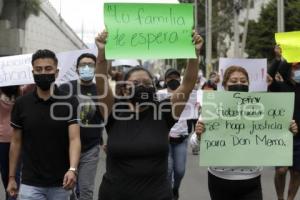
pixel 190 112
pixel 229 173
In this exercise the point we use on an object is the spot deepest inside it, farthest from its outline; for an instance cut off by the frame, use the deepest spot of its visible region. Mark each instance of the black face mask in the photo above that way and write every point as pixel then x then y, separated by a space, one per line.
pixel 143 94
pixel 238 88
pixel 44 81
pixel 173 84
pixel 10 91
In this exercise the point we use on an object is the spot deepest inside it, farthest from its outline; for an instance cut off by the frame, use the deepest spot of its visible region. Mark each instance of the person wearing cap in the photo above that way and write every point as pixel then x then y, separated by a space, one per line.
pixel 177 137
pixel 171 80
pixel 290 75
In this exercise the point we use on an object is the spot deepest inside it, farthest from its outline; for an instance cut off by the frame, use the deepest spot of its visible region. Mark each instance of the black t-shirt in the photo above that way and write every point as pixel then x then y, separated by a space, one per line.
pixel 45 138
pixel 286 86
pixel 137 154
pixel 91 125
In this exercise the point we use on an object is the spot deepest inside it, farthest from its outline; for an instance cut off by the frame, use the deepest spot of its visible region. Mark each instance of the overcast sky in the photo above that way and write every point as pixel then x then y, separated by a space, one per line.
pixel 87 16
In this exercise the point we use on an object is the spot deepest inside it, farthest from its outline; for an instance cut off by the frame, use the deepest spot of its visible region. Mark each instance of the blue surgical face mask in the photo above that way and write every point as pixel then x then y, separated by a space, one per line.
pixel 86 73
pixel 297 76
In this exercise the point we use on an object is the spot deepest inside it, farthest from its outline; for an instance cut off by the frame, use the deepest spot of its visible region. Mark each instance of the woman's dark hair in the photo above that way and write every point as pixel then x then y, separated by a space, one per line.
pixel 10 91
pixel 85 55
pixel 44 53
pixel 209 84
pixel 136 69
pixel 119 90
pixel 231 70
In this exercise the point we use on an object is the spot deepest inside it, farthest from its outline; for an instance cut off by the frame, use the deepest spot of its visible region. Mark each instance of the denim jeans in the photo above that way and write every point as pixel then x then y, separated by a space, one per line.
pixel 87 173
pixel 4 167
pixel 43 193
pixel 177 162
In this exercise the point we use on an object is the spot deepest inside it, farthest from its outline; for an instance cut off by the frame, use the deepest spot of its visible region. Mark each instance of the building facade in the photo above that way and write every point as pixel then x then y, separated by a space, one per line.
pixel 44 31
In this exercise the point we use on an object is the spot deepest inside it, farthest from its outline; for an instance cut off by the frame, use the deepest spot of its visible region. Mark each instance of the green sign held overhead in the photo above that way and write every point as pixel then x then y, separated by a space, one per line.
pixel 247 129
pixel 145 31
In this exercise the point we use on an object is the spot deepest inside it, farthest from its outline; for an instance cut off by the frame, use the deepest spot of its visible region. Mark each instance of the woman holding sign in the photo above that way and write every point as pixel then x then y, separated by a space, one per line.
pixel 238 183
pixel 138 127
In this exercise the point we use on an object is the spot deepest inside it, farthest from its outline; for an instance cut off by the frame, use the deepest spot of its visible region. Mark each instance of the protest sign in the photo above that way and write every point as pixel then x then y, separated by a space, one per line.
pixel 67 64
pixel 290 46
pixel 247 129
pixel 146 31
pixel 191 109
pixel 17 70
pixel 256 68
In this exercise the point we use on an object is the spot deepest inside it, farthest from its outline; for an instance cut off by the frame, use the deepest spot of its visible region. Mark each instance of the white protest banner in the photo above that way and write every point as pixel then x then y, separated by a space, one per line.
pixel 67 64
pixel 256 68
pixel 16 70
pixel 191 109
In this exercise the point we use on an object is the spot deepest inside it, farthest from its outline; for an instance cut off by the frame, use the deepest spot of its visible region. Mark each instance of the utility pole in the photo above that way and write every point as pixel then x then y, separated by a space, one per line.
pixel 60 7
pixel 82 29
pixel 196 15
pixel 237 7
pixel 244 40
pixel 280 15
pixel 60 16
pixel 208 34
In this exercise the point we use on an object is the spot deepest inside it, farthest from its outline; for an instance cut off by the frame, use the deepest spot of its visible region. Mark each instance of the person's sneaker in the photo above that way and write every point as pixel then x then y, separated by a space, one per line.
pixel 175 194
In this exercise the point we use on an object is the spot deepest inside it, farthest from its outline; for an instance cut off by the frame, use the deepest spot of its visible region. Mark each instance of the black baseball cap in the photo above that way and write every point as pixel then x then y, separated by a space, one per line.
pixel 171 71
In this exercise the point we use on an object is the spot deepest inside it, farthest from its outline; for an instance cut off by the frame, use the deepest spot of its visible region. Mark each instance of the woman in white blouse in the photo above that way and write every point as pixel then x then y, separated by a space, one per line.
pixel 233 183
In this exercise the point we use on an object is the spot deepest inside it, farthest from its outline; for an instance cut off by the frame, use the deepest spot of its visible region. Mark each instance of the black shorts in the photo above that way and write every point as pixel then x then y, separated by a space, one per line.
pixel 296 157
pixel 223 189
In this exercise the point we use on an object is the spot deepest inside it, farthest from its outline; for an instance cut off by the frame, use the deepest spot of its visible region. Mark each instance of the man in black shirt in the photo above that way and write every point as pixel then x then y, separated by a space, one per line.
pixel 91 123
pixel 47 133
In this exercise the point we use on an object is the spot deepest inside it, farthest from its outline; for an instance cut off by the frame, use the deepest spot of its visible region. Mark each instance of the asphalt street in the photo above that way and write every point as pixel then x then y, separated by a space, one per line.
pixel 194 185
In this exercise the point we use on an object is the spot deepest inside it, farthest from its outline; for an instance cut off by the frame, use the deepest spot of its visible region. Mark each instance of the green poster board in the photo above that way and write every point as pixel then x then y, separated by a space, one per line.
pixel 149 31
pixel 247 129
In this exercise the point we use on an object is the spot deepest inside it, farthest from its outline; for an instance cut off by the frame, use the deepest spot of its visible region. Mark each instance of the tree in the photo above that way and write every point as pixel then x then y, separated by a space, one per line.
pixel 29 7
pixel 261 40
pixel 26 8
pixel 18 11
pixel 222 19
pixel 1 6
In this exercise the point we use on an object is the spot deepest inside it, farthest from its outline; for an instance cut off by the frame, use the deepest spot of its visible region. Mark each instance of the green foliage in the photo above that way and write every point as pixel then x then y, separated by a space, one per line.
pixel 260 41
pixel 29 7
pixel 222 19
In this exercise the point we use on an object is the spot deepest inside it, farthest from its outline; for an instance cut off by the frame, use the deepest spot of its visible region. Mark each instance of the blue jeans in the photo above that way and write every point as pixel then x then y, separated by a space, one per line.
pixel 4 167
pixel 177 162
pixel 28 192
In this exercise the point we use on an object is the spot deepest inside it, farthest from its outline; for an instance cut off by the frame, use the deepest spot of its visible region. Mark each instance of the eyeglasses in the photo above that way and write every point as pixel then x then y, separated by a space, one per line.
pixel 146 83
pixel 91 65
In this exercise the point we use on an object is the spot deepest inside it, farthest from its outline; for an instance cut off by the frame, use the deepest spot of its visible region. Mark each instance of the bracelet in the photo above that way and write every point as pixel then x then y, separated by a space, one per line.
pixel 74 170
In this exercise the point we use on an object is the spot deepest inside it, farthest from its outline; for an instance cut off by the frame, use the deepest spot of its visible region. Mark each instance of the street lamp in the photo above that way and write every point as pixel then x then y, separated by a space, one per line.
pixel 280 15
